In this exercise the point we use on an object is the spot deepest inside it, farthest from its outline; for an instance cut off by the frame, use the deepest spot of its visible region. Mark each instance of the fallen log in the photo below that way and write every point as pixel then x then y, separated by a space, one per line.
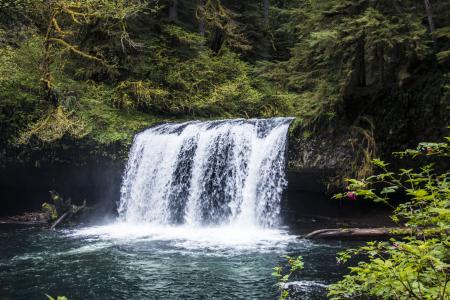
pixel 72 210
pixel 354 233
pixel 60 219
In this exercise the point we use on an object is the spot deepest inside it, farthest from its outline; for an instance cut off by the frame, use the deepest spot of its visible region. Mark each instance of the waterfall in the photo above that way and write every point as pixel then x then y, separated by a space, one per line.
pixel 206 173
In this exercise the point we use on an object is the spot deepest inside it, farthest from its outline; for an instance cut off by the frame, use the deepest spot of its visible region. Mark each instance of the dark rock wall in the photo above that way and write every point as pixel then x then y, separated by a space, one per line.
pixel 25 188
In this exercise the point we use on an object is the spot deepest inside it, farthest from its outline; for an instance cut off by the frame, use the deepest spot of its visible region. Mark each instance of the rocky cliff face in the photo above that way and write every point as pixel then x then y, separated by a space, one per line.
pixel 328 156
pixel 328 151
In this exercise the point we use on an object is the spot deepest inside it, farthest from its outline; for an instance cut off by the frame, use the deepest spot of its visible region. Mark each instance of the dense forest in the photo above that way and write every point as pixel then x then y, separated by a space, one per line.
pixel 93 73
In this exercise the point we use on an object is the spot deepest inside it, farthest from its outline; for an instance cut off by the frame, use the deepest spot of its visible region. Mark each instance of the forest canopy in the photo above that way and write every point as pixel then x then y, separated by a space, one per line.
pixel 102 69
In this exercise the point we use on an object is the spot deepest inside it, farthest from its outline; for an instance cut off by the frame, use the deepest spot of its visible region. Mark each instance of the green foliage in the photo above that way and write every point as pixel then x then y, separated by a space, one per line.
pixel 106 123
pixel 55 124
pixel 283 274
pixel 417 266
pixel 412 269
pixel 211 85
pixel 59 206
pixel 50 210
pixel 343 48
pixel 19 87
pixel 116 67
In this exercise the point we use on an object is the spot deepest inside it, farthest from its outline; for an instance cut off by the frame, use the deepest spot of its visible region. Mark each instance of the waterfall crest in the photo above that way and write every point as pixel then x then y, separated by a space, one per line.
pixel 206 173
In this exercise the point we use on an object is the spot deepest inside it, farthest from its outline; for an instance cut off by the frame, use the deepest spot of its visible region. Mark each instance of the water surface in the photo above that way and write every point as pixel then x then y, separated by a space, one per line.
pixel 124 261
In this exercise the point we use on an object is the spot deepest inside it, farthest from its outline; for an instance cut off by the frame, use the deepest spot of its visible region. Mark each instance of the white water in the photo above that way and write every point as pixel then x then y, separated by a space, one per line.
pixel 206 173
pixel 204 185
pixel 215 241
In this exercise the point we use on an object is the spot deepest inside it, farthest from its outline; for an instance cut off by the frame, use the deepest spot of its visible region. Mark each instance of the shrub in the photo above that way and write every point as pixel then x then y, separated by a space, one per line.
pixel 418 265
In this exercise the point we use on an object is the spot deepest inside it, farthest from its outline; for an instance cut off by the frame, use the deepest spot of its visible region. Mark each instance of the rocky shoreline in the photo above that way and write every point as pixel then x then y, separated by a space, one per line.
pixel 30 218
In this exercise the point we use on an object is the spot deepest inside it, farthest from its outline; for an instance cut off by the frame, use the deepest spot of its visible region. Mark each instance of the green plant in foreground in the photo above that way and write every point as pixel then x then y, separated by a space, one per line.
pixel 416 266
pixel 283 275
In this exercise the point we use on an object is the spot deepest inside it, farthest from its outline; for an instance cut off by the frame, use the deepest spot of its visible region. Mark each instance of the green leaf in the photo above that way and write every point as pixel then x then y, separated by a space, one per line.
pixel 388 190
pixel 379 163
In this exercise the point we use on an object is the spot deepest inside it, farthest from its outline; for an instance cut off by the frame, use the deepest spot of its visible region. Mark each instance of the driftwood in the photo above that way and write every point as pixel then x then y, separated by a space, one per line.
pixel 42 218
pixel 68 214
pixel 353 233
pixel 60 219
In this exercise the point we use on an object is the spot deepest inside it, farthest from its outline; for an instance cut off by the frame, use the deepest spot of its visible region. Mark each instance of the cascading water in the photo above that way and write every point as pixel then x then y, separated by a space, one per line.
pixel 206 173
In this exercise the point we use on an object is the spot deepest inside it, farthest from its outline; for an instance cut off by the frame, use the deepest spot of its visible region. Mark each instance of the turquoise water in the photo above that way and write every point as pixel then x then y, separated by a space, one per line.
pixel 125 262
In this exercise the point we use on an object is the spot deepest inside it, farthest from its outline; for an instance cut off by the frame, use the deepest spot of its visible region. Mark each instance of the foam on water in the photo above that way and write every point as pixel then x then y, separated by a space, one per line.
pixel 193 238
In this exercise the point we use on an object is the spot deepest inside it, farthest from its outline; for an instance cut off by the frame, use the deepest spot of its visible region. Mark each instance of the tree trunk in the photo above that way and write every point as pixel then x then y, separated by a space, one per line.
pixel 60 219
pixel 217 40
pixel 173 11
pixel 380 54
pixel 266 5
pixel 361 61
pixel 50 95
pixel 68 214
pixel 201 17
pixel 429 11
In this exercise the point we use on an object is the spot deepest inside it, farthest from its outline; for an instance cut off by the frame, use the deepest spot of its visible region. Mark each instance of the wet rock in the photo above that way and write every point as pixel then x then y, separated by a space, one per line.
pixel 305 289
pixel 31 218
